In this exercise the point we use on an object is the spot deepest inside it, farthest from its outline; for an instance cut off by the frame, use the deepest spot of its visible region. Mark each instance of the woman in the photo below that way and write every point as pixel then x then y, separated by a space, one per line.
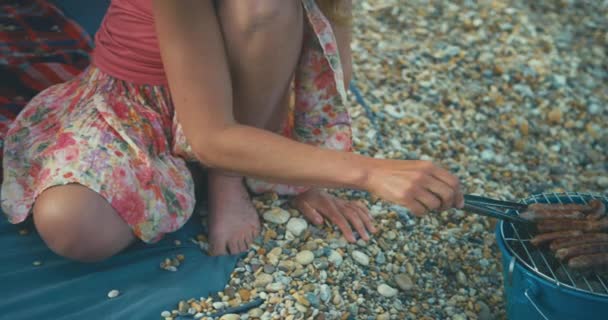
pixel 101 160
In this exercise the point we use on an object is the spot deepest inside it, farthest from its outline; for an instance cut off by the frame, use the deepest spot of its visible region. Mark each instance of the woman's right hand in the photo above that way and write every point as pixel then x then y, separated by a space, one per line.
pixel 418 185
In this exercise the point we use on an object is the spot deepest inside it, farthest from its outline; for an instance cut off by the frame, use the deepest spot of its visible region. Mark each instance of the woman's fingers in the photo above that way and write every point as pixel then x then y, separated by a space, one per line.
pixel 453 185
pixel 309 212
pixel 427 199
pixel 353 217
pixel 335 216
pixel 364 215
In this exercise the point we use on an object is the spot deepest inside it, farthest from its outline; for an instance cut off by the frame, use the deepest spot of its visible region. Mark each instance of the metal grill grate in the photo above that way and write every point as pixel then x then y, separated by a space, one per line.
pixel 542 262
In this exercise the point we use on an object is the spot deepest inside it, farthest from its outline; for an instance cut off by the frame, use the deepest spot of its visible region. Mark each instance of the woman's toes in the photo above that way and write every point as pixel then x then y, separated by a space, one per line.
pixel 233 246
pixel 217 249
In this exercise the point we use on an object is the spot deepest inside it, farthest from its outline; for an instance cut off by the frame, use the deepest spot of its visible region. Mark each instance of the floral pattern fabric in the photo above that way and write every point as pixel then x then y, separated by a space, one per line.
pixel 122 140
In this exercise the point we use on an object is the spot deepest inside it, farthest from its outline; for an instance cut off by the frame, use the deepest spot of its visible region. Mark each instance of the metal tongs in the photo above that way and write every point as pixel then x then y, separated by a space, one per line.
pixel 494 208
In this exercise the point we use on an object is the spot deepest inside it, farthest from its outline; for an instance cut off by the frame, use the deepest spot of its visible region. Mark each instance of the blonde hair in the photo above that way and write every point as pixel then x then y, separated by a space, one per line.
pixel 337 11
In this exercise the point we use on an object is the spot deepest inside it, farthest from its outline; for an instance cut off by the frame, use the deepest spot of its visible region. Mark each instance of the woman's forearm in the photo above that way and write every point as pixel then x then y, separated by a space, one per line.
pixel 271 157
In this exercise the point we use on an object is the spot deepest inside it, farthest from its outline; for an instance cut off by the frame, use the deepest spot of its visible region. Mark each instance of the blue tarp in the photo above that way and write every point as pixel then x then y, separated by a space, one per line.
pixel 88 14
pixel 62 289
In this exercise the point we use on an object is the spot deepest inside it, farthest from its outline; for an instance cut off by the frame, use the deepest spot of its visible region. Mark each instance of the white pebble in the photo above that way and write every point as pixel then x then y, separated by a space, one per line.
pixel 360 257
pixel 394 112
pixel 165 314
pixel 277 215
pixel 113 294
pixel 305 257
pixel 603 181
pixel 461 277
pixel 230 316
pixel 218 305
pixel 297 226
pixel 335 258
pixel 262 280
pixel 275 287
pixel 255 312
pixel 387 290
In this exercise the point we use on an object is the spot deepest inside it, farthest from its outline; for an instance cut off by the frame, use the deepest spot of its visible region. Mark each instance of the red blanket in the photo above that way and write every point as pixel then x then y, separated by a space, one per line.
pixel 39 47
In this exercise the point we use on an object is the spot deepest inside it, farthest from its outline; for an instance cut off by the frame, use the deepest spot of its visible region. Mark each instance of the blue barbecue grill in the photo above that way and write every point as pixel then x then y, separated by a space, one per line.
pixel 538 286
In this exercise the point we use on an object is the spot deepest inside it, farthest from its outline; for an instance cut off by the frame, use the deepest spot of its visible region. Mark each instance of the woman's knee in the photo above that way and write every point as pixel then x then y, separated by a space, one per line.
pixel 256 15
pixel 65 218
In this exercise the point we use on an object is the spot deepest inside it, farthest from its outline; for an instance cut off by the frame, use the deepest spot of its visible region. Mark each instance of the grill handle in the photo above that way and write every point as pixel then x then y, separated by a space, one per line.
pixel 531 292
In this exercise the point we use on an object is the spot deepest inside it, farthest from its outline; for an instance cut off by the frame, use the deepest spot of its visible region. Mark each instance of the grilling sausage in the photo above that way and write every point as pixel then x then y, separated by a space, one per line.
pixel 551 236
pixel 537 215
pixel 559 207
pixel 551 225
pixel 564 242
pixel 598 209
pixel 599 260
pixel 589 248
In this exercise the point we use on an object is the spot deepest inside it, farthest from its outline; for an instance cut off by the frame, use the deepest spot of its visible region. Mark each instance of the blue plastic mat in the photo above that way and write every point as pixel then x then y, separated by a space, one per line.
pixel 61 289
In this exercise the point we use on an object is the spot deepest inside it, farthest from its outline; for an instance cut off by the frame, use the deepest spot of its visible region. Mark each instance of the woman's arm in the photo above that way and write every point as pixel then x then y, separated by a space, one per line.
pixel 196 67
pixel 195 63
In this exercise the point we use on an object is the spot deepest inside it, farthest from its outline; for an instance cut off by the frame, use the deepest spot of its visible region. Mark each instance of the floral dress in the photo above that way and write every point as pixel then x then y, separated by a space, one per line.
pixel 122 140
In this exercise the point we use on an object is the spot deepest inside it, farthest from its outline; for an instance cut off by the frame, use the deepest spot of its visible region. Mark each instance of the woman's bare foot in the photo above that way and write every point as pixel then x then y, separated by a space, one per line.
pixel 233 221
pixel 317 205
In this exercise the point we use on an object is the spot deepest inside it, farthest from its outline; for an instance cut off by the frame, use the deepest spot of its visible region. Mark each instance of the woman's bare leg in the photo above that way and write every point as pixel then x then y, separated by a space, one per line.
pixel 263 40
pixel 77 223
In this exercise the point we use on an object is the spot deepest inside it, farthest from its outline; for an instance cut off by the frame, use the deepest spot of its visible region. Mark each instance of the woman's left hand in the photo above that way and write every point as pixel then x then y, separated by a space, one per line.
pixel 317 205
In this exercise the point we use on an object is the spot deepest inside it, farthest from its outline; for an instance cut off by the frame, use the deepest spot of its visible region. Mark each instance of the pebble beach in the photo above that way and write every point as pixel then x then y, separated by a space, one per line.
pixel 512 96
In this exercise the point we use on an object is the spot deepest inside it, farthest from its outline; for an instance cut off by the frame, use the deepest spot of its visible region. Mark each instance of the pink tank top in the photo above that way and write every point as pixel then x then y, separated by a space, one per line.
pixel 126 46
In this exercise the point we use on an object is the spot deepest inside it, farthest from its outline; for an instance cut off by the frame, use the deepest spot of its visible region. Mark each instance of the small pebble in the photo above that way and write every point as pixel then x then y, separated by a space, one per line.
pixel 404 282
pixel 387 291
pixel 297 226
pixel 37 263
pixel 165 314
pixel 305 257
pixel 113 294
pixel 484 311
pixel 275 287
pixel 262 280
pixel 461 277
pixel 277 216
pixel 230 316
pixel 182 307
pixel 360 257
pixel 335 258
pixel 255 312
